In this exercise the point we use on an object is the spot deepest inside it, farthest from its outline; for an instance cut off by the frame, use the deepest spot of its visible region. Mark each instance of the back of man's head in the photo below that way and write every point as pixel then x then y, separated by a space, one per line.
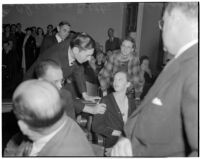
pixel 42 67
pixel 37 103
pixel 190 9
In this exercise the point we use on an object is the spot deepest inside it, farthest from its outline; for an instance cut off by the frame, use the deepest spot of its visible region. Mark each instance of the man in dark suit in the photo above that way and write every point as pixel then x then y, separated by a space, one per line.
pixel 63 32
pixel 70 54
pixel 166 122
pixel 46 129
pixel 113 43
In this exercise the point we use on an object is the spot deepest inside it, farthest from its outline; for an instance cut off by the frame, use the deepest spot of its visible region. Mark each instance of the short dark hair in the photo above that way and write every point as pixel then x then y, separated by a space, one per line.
pixel 142 58
pixel 50 25
pixel 82 41
pixel 28 29
pixel 64 23
pixel 38 30
pixel 131 40
pixel 41 68
pixel 190 9
pixel 27 112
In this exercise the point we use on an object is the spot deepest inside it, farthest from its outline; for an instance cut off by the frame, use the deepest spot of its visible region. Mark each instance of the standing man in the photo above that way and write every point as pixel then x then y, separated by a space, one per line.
pixel 166 123
pixel 63 32
pixel 46 129
pixel 113 43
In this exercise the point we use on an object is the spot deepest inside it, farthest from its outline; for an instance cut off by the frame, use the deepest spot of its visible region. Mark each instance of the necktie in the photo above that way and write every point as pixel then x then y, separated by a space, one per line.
pixel 28 148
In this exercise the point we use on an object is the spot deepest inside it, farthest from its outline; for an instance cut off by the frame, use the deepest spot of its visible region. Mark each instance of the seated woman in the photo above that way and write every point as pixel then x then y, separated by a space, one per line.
pixel 119 107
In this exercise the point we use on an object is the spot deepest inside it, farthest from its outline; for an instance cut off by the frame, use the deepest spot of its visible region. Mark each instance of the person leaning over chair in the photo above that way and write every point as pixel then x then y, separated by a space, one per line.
pixel 119 107
pixel 70 54
pixel 42 121
pixel 166 123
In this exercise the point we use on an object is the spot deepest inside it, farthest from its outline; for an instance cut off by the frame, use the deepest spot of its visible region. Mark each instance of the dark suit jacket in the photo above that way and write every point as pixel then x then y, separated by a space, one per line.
pixel 69 141
pixel 166 123
pixel 68 103
pixel 48 42
pixel 112 45
pixel 59 53
pixel 30 51
pixel 104 124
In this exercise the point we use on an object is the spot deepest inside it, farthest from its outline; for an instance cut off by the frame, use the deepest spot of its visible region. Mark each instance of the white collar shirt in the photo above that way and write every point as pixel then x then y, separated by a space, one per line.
pixel 58 38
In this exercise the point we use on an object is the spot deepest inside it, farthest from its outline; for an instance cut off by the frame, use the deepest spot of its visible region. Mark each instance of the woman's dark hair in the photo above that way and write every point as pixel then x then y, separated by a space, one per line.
pixel 28 29
pixel 38 30
pixel 83 41
pixel 142 58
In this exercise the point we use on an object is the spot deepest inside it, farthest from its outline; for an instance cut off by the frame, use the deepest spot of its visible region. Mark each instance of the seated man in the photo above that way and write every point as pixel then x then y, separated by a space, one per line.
pixel 41 118
pixel 119 107
pixel 51 71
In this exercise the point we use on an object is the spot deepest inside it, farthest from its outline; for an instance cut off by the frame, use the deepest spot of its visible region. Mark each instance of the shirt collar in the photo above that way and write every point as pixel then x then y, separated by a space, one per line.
pixel 39 144
pixel 185 47
pixel 70 57
pixel 58 38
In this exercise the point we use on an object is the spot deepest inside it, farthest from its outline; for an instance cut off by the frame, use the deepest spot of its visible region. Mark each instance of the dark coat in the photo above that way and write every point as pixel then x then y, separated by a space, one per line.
pixel 166 122
pixel 104 124
pixel 48 42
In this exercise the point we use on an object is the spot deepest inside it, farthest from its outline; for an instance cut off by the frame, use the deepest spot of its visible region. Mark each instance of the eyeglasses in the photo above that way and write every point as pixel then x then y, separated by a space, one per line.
pixel 62 82
pixel 161 24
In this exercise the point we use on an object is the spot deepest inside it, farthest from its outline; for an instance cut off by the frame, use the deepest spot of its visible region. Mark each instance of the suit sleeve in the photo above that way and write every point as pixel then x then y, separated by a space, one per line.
pixel 190 112
pixel 99 124
pixel 78 74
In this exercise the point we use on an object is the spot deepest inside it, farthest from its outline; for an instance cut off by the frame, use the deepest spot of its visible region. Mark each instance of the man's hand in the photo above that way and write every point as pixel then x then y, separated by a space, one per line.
pixel 122 148
pixel 99 108
pixel 116 133
pixel 90 98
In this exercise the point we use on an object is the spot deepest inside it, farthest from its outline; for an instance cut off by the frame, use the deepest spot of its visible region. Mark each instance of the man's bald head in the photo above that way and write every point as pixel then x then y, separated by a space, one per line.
pixel 37 103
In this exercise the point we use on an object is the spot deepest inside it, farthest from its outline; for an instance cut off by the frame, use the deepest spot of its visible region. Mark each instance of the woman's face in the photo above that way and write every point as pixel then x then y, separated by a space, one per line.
pixel 120 82
pixel 82 55
pixel 40 31
pixel 127 47
pixel 145 64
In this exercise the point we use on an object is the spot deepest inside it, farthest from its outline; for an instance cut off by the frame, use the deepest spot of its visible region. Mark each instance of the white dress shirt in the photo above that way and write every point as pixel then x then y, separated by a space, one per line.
pixel 58 38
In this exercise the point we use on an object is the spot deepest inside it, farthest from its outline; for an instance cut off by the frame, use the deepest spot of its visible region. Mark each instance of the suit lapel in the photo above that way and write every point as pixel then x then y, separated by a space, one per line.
pixel 116 111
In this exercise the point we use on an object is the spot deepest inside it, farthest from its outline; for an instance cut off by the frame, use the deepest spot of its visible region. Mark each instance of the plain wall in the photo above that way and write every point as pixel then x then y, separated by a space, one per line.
pixel 150 33
pixel 93 18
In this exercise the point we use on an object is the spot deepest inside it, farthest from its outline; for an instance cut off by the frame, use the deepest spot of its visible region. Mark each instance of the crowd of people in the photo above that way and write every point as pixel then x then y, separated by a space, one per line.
pixel 55 67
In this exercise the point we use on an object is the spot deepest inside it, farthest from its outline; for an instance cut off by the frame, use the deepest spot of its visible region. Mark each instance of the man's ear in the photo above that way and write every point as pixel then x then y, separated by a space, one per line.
pixel 75 50
pixel 23 127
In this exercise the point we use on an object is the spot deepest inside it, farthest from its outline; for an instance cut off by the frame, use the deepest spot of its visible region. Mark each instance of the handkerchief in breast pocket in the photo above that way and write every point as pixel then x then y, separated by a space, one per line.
pixel 157 101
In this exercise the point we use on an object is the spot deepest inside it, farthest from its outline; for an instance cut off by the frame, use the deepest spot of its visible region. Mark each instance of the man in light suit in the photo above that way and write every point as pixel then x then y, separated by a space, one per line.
pixel 166 123
pixel 42 121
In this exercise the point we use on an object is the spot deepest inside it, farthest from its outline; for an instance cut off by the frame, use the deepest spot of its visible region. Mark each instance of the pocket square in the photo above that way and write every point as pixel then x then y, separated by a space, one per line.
pixel 157 101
